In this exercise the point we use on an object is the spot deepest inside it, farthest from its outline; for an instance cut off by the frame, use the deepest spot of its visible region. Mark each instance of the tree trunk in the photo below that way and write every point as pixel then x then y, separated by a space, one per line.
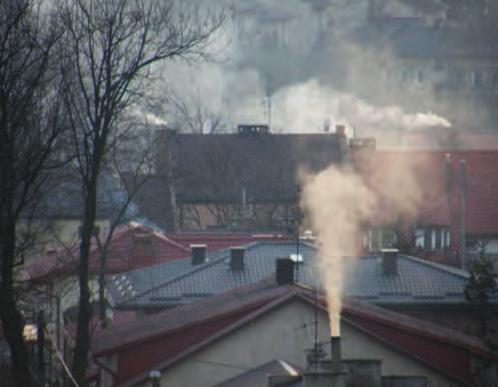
pixel 12 321
pixel 102 302
pixel 82 346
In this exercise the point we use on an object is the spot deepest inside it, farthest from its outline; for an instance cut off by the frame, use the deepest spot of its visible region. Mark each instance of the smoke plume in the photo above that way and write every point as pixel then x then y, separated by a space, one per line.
pixel 305 106
pixel 340 202
pixel 337 201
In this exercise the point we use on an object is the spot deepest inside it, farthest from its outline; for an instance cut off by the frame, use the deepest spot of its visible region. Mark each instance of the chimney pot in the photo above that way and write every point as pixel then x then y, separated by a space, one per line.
pixel 335 353
pixel 390 261
pixel 198 254
pixel 237 258
pixel 284 271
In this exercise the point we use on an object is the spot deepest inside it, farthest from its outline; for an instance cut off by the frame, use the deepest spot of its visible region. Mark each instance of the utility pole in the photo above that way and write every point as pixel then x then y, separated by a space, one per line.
pixel 462 197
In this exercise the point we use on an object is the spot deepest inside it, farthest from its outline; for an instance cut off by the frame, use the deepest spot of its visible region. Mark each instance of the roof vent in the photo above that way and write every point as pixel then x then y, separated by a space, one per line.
pixel 390 261
pixel 284 271
pixel 198 254
pixel 237 258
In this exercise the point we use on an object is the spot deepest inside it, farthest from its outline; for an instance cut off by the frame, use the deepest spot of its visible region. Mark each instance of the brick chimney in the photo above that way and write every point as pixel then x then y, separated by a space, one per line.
pixel 284 271
pixel 237 258
pixel 198 254
pixel 390 261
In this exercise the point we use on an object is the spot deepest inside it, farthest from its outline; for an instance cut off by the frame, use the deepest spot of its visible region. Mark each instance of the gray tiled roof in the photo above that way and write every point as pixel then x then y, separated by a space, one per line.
pixel 417 282
pixel 124 285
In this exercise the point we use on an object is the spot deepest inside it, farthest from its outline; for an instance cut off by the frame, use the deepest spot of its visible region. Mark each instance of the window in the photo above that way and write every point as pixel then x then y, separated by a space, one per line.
pixel 432 238
pixel 420 238
pixel 380 239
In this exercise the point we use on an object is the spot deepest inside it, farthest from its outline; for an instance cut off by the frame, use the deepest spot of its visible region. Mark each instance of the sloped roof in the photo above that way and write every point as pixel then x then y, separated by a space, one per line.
pixel 132 246
pixel 165 338
pixel 121 286
pixel 218 167
pixel 417 282
pixel 124 285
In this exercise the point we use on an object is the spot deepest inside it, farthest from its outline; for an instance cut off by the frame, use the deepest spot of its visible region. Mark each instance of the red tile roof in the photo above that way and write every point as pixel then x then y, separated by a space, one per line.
pixel 167 337
pixel 223 240
pixel 132 246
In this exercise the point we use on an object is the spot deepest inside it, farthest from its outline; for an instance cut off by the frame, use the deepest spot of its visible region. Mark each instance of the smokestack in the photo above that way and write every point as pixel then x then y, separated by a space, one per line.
pixel 335 353
pixel 237 258
pixel 284 271
pixel 390 261
pixel 198 254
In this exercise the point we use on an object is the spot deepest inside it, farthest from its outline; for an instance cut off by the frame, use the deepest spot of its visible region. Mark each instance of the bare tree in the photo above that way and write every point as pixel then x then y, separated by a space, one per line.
pixel 193 114
pixel 29 133
pixel 105 58
pixel 131 161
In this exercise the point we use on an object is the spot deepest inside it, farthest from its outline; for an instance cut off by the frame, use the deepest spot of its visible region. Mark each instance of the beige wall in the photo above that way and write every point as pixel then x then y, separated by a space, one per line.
pixel 285 333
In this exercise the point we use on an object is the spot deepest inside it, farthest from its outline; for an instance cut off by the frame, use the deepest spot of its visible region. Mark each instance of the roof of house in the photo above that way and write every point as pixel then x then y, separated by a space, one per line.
pixel 218 167
pixel 121 286
pixel 164 338
pixel 127 284
pixel 417 282
pixel 432 181
pixel 132 246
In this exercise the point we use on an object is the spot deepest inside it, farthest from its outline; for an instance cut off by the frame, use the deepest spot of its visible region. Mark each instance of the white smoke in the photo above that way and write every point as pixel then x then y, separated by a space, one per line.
pixel 304 107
